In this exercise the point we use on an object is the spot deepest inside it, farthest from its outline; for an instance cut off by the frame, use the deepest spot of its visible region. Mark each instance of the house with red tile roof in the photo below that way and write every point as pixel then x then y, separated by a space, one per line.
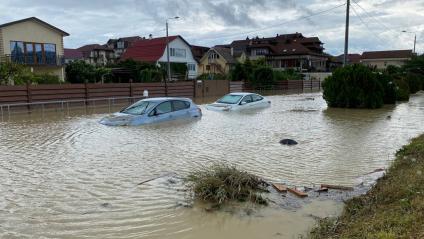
pixel 288 51
pixel 154 50
pixel 382 59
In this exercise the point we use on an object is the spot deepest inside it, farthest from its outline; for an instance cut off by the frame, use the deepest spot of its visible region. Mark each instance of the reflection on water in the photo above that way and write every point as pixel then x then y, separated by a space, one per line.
pixel 66 176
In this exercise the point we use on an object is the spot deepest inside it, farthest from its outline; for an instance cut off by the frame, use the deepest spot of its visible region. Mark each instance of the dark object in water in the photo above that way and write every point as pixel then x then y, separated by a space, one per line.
pixel 389 117
pixel 288 142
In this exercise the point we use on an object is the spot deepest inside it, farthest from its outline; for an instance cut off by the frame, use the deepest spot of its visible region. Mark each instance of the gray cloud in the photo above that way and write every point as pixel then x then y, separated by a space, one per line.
pixel 210 22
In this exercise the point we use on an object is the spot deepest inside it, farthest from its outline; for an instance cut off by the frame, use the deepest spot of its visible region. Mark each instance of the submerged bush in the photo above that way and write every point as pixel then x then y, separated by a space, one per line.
pixel 354 86
pixel 220 183
pixel 415 82
pixel 402 88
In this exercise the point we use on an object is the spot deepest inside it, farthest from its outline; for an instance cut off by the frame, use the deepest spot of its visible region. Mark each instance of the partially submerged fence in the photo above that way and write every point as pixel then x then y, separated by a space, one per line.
pixel 28 96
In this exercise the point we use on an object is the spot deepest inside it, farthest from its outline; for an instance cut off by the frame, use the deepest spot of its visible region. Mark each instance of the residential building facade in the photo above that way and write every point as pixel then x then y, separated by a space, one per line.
pixel 289 51
pixel 120 45
pixel 382 59
pixel 154 51
pixel 218 60
pixel 97 55
pixel 35 44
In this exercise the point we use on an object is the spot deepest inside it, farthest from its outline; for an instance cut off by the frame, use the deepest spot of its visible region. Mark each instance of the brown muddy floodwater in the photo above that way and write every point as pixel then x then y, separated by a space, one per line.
pixel 70 177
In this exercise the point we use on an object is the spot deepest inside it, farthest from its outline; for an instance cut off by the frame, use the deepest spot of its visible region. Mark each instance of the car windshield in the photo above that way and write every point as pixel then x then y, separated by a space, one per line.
pixel 230 99
pixel 138 108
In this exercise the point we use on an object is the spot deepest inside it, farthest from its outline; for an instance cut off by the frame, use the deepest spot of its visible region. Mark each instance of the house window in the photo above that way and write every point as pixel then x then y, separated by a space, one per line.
pixel 177 52
pixel 208 67
pixel 33 53
pixel 17 51
pixel 120 45
pixel 261 52
pixel 213 55
pixel 191 67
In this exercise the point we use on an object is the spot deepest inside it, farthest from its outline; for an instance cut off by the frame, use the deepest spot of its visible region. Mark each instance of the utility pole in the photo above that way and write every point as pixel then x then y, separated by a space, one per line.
pixel 415 41
pixel 415 38
pixel 167 54
pixel 167 58
pixel 346 46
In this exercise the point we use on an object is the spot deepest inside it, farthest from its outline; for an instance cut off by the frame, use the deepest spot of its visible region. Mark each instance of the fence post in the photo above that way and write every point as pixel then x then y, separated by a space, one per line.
pixel 86 93
pixel 319 84
pixel 131 88
pixel 311 85
pixel 194 88
pixel 29 97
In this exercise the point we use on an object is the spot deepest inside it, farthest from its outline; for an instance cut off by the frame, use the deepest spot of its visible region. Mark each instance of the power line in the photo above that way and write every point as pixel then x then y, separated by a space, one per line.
pixel 371 16
pixel 365 24
pixel 277 25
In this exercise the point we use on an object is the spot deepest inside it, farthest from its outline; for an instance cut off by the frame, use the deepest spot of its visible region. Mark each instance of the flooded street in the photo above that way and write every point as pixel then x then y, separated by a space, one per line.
pixel 70 177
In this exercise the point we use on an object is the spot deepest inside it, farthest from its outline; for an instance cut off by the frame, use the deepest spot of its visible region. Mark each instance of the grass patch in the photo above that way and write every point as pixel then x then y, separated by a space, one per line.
pixel 219 184
pixel 393 208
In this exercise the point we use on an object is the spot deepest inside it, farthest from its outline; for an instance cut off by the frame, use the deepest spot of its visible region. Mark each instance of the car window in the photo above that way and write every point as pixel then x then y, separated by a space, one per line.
pixel 180 105
pixel 247 99
pixel 137 108
pixel 163 108
pixel 230 99
pixel 257 97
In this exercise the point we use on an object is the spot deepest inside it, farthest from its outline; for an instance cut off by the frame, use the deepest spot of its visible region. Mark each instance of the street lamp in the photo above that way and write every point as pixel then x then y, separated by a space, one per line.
pixel 415 38
pixel 167 53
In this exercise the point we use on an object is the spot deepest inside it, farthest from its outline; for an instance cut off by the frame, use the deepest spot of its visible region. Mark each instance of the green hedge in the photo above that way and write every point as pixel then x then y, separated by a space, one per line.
pixel 354 86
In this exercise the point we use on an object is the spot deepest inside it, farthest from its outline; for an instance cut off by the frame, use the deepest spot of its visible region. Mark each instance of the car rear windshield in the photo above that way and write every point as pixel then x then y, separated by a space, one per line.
pixel 137 108
pixel 230 99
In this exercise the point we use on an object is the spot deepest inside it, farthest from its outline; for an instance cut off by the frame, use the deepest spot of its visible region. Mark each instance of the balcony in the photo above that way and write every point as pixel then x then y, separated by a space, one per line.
pixel 57 60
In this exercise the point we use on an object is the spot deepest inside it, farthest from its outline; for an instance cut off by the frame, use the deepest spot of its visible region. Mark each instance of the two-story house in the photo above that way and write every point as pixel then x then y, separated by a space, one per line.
pixel 218 60
pixel 97 55
pixel 120 45
pixel 288 51
pixel 154 50
pixel 35 44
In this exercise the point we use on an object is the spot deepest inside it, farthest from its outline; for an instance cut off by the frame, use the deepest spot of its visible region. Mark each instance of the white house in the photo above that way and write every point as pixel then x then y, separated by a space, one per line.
pixel 154 50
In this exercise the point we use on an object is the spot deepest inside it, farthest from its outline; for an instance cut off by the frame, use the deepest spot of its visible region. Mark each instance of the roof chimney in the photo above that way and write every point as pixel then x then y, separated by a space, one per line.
pixel 150 36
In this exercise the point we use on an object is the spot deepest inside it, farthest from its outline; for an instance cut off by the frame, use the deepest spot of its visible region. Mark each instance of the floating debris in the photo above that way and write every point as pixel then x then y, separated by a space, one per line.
pixel 337 187
pixel 297 192
pixel 280 187
pixel 288 142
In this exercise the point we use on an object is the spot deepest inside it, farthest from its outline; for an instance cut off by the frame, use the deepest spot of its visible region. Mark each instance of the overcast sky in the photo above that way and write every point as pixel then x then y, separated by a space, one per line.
pixel 221 21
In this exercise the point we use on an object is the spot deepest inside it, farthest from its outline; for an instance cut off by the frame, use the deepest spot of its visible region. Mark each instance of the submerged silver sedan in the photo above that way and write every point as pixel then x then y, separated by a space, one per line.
pixel 239 101
pixel 154 110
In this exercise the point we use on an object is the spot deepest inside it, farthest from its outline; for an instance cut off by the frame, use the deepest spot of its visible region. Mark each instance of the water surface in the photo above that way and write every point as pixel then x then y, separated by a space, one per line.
pixel 66 176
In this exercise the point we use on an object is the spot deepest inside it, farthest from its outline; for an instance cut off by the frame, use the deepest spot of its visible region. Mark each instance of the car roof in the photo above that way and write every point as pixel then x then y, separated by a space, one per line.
pixel 160 99
pixel 241 93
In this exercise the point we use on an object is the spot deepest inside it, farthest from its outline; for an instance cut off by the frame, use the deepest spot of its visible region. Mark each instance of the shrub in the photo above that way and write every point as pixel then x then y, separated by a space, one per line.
pixel 80 72
pixel 212 76
pixel 220 183
pixel 287 75
pixel 389 86
pixel 402 88
pixel 263 76
pixel 354 86
pixel 150 75
pixel 415 82
pixel 239 73
pixel 46 79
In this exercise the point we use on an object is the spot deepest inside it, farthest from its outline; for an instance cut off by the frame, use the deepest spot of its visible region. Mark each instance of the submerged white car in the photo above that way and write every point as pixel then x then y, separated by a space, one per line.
pixel 239 101
pixel 154 110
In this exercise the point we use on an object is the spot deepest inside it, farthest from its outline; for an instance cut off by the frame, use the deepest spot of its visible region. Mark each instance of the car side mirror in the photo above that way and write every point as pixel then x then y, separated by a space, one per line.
pixel 243 103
